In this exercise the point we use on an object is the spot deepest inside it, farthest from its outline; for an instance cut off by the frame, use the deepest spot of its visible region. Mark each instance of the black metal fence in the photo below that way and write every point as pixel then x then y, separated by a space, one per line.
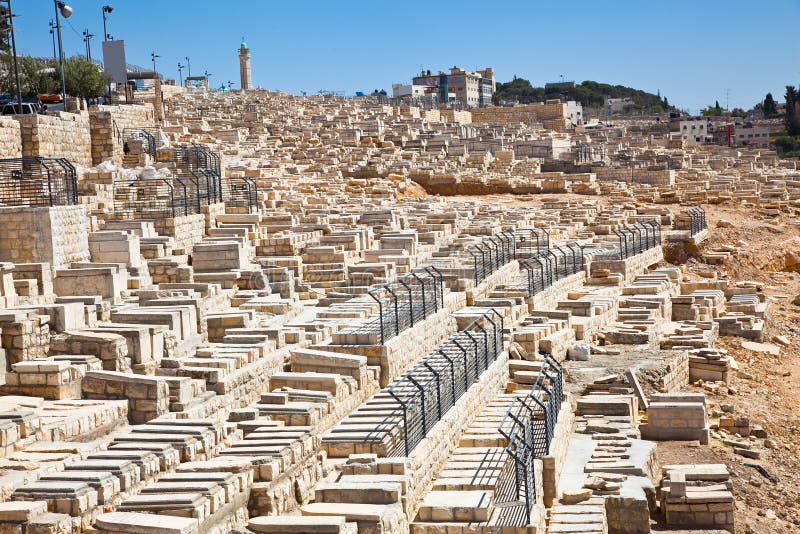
pixel 407 301
pixel 34 181
pixel 635 239
pixel 531 242
pixel 152 197
pixel 551 265
pixel 148 137
pixel 240 192
pixel 529 426
pixel 432 387
pixel 491 253
pixel 697 217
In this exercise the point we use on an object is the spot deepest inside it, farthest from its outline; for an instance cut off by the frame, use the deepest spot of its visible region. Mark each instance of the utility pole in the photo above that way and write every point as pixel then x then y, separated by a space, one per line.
pixel 53 35
pixel 87 37
pixel 10 16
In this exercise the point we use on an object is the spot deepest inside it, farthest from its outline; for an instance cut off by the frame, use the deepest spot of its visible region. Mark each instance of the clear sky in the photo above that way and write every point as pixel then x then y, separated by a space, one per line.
pixel 693 51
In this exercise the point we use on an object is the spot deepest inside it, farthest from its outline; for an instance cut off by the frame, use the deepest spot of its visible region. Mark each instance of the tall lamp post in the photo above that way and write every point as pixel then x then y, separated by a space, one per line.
pixel 66 12
pixel 14 53
pixel 106 11
pixel 189 67
pixel 180 73
pixel 153 56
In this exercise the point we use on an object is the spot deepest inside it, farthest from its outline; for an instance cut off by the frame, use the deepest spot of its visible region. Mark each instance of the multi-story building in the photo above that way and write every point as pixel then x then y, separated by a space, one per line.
pixel 695 130
pixel 407 91
pixel 473 89
pixel 617 105
pixel 752 134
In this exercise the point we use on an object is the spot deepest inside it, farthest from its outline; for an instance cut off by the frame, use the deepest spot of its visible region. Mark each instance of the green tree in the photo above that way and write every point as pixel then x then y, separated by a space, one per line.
pixel 35 77
pixel 792 118
pixel 84 79
pixel 769 108
pixel 5 31
pixel 711 111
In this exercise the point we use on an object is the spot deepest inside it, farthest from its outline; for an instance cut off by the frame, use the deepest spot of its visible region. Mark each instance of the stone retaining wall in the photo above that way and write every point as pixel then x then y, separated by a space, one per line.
pixel 107 125
pixel 638 176
pixel 56 235
pixel 10 139
pixel 63 135
pixel 554 461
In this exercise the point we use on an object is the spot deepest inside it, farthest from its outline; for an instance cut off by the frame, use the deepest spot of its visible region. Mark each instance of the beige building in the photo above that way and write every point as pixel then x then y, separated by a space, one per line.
pixel 474 89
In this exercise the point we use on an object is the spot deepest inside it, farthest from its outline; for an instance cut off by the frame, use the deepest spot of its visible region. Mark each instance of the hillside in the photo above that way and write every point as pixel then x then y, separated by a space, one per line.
pixel 589 93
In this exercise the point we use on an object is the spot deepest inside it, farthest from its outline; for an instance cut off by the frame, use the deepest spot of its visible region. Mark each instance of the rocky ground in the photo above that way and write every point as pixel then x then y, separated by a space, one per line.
pixel 766 387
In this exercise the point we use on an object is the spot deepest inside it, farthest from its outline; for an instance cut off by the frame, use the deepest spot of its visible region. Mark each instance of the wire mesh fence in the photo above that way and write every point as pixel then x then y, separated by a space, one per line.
pixel 152 197
pixel 240 192
pixel 529 426
pixel 531 242
pixel 147 136
pixel 632 240
pixel 552 265
pixel 697 218
pixel 432 387
pixel 491 253
pixel 34 181
pixel 194 181
pixel 406 301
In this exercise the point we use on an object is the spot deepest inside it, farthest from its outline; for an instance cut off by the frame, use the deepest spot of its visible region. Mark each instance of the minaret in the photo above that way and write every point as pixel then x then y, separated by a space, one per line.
pixel 244 67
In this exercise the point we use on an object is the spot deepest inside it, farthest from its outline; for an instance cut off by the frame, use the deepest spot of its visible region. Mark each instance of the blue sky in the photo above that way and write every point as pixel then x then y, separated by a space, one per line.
pixel 690 50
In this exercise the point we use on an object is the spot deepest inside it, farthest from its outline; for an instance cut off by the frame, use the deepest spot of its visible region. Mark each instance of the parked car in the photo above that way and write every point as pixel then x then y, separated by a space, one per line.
pixel 28 108
pixel 50 99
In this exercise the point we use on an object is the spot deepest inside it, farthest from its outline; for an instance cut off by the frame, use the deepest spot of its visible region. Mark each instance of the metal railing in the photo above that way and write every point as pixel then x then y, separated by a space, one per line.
pixel 632 240
pixel 491 253
pixel 35 181
pixel 199 169
pixel 148 137
pixel 432 387
pixel 407 301
pixel 241 192
pixel 152 198
pixel 552 265
pixel 529 426
pixel 697 217
pixel 531 242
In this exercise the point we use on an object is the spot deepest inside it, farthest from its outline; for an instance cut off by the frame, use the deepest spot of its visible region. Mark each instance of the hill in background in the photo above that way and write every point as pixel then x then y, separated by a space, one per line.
pixel 590 94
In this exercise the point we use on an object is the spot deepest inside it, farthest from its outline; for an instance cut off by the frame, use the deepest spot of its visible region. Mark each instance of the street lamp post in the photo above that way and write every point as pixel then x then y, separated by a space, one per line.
pixel 180 73
pixel 208 76
pixel 189 67
pixel 10 16
pixel 153 56
pixel 66 12
pixel 106 10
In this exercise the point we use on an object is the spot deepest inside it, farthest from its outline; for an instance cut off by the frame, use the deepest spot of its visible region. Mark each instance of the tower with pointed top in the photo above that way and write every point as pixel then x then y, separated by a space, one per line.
pixel 244 67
